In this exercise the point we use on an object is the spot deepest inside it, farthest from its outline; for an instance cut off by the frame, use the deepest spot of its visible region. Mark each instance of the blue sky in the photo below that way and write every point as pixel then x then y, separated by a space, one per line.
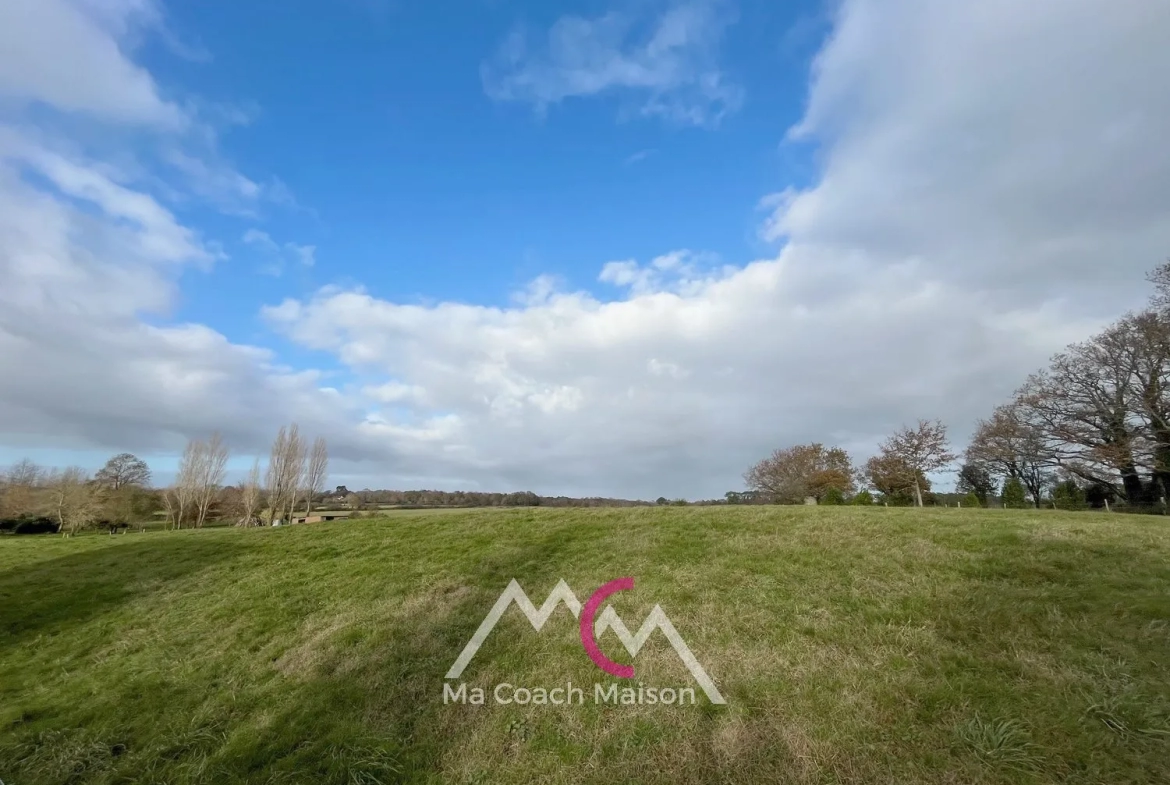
pixel 622 247
pixel 412 180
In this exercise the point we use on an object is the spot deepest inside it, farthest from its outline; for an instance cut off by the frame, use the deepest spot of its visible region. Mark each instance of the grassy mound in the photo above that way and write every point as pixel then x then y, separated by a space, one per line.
pixel 852 645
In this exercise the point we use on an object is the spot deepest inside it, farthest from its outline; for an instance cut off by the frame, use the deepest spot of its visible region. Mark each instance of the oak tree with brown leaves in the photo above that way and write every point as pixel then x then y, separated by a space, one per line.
pixel 911 453
pixel 893 478
pixel 792 474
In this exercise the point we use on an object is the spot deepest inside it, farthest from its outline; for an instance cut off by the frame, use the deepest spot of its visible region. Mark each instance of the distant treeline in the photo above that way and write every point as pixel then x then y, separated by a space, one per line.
pixel 421 499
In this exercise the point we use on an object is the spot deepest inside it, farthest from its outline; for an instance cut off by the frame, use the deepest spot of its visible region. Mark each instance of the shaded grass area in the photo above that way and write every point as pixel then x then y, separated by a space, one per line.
pixel 852 645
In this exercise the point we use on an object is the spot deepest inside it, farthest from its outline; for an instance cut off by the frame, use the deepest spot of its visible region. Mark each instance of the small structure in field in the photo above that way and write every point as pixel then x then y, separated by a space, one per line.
pixel 329 516
pixel 810 500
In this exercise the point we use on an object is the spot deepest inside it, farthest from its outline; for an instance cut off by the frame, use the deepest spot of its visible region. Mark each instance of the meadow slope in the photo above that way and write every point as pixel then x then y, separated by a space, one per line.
pixel 852 645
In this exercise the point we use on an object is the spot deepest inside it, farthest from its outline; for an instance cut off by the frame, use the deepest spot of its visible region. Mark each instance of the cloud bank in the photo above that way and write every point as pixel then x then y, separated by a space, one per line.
pixel 995 181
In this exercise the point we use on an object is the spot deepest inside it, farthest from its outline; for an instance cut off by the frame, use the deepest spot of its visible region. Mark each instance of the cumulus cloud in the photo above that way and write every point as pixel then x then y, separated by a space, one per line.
pixel 69 54
pixel 682 272
pixel 990 192
pixel 672 392
pixel 665 66
pixel 1003 146
pixel 79 273
pixel 90 258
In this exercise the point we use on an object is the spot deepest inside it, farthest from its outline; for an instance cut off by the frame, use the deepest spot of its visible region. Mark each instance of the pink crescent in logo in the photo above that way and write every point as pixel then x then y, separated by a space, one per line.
pixel 587 639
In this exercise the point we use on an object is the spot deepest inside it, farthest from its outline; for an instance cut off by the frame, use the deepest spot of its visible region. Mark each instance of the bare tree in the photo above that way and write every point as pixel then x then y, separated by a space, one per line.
pixel 1143 340
pixel 921 450
pixel 316 472
pixel 187 482
pixel 123 470
pixel 1084 406
pixel 24 472
pixel 201 473
pixel 286 468
pixel 1160 278
pixel 275 480
pixel 212 466
pixel 73 498
pixel 790 475
pixel 170 503
pixel 250 495
pixel 1013 448
pixel 21 482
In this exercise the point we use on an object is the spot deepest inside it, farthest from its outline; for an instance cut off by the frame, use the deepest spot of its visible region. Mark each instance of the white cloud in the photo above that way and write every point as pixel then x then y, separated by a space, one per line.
pixel 665 65
pixel 306 255
pixel 217 182
pixel 396 392
pixel 638 157
pixel 69 54
pixel 676 393
pixel 73 57
pixel 276 255
pixel 1005 146
pixel 682 272
pixel 87 251
pixel 260 239
pixel 82 263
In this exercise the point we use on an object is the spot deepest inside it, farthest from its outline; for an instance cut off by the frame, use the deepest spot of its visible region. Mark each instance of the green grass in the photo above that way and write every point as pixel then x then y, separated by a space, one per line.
pixel 852 645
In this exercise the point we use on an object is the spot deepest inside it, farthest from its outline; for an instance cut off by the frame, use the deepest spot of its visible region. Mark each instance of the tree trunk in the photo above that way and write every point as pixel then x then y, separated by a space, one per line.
pixel 1162 463
pixel 1033 480
pixel 918 492
pixel 1132 484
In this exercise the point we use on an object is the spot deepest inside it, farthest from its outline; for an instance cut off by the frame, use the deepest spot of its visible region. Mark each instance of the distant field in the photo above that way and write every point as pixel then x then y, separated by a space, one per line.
pixel 852 645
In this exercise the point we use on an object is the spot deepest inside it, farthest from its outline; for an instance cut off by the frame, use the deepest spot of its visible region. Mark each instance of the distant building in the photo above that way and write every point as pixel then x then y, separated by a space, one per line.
pixel 320 518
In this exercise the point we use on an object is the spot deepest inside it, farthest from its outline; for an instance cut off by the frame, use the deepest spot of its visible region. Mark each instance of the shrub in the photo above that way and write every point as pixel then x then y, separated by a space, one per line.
pixel 1069 496
pixel 971 500
pixel 898 499
pixel 833 496
pixel 1097 495
pixel 863 497
pixel 1014 495
pixel 30 525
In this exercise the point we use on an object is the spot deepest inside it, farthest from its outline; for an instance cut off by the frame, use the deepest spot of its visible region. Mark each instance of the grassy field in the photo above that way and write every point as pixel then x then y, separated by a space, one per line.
pixel 852 645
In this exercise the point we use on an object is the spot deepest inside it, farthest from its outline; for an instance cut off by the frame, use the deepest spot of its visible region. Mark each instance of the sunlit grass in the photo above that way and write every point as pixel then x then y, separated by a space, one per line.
pixel 852 645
